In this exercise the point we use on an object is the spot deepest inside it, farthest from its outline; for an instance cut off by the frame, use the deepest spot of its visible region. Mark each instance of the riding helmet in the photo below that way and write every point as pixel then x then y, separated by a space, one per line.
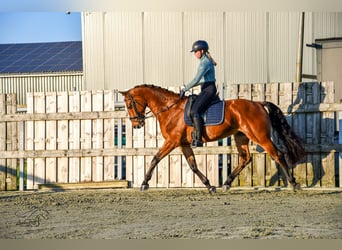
pixel 200 45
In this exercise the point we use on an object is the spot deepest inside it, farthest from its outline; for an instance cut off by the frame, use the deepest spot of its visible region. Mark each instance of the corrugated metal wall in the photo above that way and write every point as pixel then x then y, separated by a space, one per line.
pixel 28 83
pixel 123 49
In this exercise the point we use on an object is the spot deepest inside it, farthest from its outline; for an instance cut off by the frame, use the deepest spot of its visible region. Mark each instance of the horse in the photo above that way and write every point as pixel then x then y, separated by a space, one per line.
pixel 245 120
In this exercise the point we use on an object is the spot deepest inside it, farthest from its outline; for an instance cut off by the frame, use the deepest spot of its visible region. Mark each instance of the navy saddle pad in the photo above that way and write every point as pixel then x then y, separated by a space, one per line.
pixel 214 115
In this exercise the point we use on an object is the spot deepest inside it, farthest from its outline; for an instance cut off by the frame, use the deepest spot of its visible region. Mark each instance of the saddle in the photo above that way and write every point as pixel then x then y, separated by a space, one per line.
pixel 214 115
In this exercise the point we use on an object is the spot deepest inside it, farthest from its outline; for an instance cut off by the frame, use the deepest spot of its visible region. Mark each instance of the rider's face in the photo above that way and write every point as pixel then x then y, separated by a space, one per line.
pixel 198 54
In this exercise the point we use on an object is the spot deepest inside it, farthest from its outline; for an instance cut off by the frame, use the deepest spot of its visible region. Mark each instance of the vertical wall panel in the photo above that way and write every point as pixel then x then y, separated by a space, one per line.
pixel 123 49
pixel 93 49
pixel 163 48
pixel 246 47
pixel 309 54
pixel 283 40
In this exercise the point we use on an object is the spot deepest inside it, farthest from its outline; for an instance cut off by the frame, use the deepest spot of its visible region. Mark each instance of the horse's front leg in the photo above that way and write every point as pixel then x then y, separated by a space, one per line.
pixel 162 152
pixel 190 157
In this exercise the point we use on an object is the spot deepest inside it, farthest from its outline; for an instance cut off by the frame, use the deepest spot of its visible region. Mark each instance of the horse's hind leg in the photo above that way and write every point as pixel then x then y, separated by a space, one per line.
pixel 244 158
pixel 278 157
pixel 190 157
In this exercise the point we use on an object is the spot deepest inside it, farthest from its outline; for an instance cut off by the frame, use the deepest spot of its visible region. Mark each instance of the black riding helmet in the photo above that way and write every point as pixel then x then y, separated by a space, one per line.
pixel 200 45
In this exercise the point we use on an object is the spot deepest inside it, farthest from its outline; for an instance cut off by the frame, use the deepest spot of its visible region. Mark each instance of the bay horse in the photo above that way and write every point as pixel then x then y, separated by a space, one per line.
pixel 244 119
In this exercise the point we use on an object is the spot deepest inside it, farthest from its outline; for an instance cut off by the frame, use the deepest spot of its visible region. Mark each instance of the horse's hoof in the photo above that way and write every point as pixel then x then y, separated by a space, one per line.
pixel 144 187
pixel 296 187
pixel 212 190
pixel 226 187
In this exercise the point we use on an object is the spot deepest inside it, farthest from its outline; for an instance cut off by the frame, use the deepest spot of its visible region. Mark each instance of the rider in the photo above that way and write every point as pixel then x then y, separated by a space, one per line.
pixel 205 77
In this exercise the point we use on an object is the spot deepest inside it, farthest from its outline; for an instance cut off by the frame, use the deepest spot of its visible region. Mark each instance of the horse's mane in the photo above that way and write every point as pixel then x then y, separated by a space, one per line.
pixel 151 86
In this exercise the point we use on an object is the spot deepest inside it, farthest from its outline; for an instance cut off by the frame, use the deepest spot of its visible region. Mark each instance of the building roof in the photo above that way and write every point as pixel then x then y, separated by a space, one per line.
pixel 41 57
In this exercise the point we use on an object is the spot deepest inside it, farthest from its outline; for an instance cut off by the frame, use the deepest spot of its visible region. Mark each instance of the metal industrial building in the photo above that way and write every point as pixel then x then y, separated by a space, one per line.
pixel 123 49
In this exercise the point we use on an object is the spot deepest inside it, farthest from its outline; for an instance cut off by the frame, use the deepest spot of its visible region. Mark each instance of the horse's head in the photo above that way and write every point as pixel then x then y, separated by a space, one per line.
pixel 136 106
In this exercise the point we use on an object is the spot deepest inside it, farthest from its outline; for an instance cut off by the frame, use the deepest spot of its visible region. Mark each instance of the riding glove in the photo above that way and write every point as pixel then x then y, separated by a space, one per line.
pixel 181 94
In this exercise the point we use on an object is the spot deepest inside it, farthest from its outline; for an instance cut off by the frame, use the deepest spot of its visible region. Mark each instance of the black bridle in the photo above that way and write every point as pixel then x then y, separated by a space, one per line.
pixel 139 116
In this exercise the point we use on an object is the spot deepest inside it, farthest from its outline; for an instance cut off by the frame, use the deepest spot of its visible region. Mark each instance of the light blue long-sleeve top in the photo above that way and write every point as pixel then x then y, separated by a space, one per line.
pixel 205 73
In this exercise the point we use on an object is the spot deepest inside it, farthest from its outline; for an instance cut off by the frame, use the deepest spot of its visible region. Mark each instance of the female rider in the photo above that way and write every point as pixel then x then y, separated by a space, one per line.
pixel 205 77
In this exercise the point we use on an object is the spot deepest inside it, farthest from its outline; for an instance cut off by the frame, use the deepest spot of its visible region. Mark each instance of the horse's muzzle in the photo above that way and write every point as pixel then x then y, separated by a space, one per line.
pixel 140 124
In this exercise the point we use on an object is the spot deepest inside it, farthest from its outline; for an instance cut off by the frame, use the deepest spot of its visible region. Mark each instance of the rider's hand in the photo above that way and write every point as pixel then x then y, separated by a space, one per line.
pixel 181 94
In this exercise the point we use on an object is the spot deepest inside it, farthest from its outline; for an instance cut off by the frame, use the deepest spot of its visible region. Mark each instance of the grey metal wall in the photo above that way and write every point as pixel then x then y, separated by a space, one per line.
pixel 122 49
pixel 25 83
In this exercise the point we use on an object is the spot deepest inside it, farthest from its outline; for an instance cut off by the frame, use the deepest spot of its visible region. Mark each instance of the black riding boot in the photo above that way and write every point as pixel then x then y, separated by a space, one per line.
pixel 197 133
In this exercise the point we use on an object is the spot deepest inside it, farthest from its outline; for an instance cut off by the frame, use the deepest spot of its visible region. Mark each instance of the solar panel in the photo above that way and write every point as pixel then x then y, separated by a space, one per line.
pixel 41 57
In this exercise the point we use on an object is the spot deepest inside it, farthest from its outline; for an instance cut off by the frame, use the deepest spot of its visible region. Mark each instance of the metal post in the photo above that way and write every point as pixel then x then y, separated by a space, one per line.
pixel 299 64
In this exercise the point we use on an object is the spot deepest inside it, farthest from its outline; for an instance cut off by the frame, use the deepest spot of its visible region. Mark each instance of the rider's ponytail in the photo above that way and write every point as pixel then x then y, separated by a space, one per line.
pixel 210 58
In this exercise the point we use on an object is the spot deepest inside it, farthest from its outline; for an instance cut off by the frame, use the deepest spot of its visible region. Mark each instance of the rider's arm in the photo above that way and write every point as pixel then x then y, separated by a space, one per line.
pixel 203 67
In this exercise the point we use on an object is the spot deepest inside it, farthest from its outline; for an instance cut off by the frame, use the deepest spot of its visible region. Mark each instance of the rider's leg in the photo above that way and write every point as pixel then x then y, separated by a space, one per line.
pixel 197 133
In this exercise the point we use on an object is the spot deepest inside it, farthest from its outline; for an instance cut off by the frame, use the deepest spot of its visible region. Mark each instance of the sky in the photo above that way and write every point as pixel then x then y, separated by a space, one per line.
pixel 34 27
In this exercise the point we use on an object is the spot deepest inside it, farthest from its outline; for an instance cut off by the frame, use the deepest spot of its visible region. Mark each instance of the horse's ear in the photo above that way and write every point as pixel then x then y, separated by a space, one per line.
pixel 123 92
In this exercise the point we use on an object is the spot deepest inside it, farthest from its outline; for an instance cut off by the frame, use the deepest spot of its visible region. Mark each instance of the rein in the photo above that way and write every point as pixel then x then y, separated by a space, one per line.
pixel 141 117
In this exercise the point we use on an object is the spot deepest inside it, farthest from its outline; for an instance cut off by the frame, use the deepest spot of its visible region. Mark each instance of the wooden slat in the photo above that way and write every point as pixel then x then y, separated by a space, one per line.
pixel 86 136
pixel 108 134
pixel 129 159
pixel 271 168
pixel 39 139
pixel 328 175
pixel 299 122
pixel 84 185
pixel 211 150
pixel 51 136
pixel 313 167
pixel 62 139
pixel 176 163
pixel 139 160
pixel 258 162
pixel 74 137
pixel 245 176
pixel 234 93
pixel 212 169
pixel 12 144
pixel 306 108
pixel 29 145
pixel 97 136
pixel 286 90
pixel 90 115
pixel 150 136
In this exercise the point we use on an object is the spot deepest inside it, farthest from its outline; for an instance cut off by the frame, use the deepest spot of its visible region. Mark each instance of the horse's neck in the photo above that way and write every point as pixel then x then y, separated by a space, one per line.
pixel 156 101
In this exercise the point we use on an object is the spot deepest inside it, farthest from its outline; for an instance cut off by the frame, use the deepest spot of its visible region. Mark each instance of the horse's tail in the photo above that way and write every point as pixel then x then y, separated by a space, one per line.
pixel 293 144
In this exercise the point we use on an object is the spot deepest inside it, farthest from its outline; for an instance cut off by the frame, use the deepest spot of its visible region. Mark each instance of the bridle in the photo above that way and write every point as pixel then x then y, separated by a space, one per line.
pixel 141 117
